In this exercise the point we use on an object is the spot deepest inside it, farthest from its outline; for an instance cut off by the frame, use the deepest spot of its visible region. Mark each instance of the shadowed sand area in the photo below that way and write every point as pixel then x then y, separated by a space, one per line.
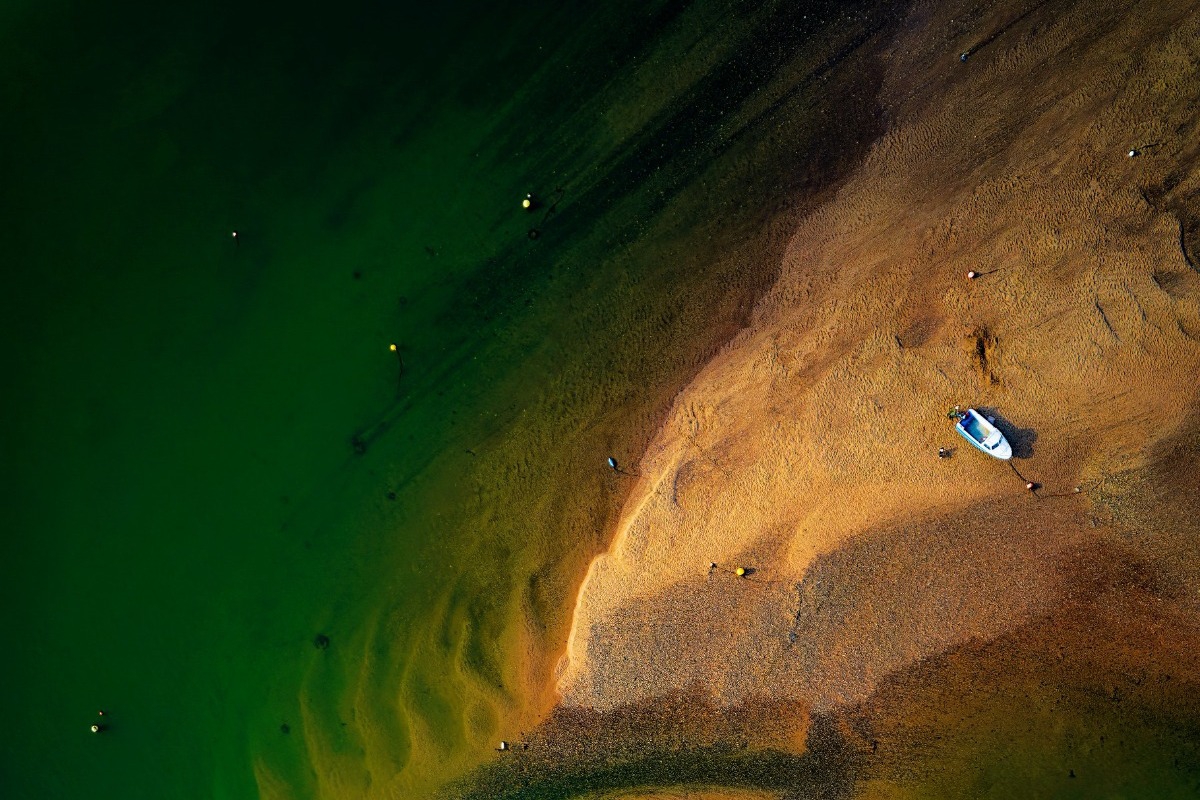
pixel 916 626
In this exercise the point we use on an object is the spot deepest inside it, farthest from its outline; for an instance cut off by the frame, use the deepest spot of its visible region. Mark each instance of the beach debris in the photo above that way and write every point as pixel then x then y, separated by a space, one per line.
pixel 612 462
pixel 503 746
pixel 972 275
pixel 1134 153
pixel 1030 485
pixel 945 452
pixel 321 641
pixel 712 567
pixel 740 572
pixel 965 55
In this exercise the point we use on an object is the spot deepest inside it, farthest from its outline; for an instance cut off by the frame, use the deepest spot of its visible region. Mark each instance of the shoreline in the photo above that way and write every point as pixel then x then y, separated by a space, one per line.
pixel 764 462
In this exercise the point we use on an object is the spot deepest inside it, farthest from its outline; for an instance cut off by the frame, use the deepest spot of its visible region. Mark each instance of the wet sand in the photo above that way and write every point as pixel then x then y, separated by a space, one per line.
pixel 935 626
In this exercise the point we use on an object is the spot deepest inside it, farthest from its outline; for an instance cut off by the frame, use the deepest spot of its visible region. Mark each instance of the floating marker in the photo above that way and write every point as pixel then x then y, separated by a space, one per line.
pixel 392 347
pixel 95 729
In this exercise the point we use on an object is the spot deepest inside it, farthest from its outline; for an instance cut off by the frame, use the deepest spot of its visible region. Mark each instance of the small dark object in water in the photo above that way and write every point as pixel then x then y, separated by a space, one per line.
pixel 965 56
pixel 321 641
pixel 285 728
pixel 534 233
pixel 391 495
pixel 357 275
pixel 360 446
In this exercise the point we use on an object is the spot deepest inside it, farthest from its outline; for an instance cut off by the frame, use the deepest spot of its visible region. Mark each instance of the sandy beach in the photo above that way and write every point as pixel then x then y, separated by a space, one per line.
pixel 908 624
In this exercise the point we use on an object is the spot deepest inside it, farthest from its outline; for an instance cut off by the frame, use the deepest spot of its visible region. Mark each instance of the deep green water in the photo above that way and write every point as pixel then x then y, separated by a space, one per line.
pixel 183 504
pixel 183 510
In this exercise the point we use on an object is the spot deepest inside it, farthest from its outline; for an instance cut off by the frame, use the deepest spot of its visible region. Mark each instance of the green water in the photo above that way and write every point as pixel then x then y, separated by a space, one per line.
pixel 185 506
pixel 184 511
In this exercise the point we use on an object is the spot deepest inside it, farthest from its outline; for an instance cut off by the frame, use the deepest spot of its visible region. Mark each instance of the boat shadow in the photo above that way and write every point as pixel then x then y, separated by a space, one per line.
pixel 1021 439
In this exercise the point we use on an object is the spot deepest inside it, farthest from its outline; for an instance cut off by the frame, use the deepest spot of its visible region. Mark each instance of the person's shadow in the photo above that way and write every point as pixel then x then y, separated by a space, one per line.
pixel 1021 439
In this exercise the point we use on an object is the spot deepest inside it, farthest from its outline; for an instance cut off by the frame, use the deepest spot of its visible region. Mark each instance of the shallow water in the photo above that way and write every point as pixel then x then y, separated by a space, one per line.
pixel 185 506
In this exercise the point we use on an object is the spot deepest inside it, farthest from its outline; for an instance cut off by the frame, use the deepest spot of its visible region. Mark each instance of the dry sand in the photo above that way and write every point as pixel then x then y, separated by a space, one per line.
pixel 806 450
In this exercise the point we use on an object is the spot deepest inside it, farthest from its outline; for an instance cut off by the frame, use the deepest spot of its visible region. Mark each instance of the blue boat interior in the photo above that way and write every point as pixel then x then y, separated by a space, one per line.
pixel 971 425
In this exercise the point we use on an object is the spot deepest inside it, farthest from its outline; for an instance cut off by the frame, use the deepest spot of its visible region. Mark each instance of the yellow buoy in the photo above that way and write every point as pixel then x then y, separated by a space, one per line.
pixel 526 203
pixel 392 347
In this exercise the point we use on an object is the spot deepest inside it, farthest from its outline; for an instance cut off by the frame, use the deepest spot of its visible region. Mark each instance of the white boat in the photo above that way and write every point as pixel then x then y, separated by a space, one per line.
pixel 983 435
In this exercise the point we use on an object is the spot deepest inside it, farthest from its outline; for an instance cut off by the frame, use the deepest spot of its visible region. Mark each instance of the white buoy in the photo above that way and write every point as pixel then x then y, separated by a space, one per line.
pixel 95 729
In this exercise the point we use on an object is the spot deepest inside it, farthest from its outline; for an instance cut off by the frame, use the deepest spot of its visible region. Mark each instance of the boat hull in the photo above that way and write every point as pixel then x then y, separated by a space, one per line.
pixel 983 435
